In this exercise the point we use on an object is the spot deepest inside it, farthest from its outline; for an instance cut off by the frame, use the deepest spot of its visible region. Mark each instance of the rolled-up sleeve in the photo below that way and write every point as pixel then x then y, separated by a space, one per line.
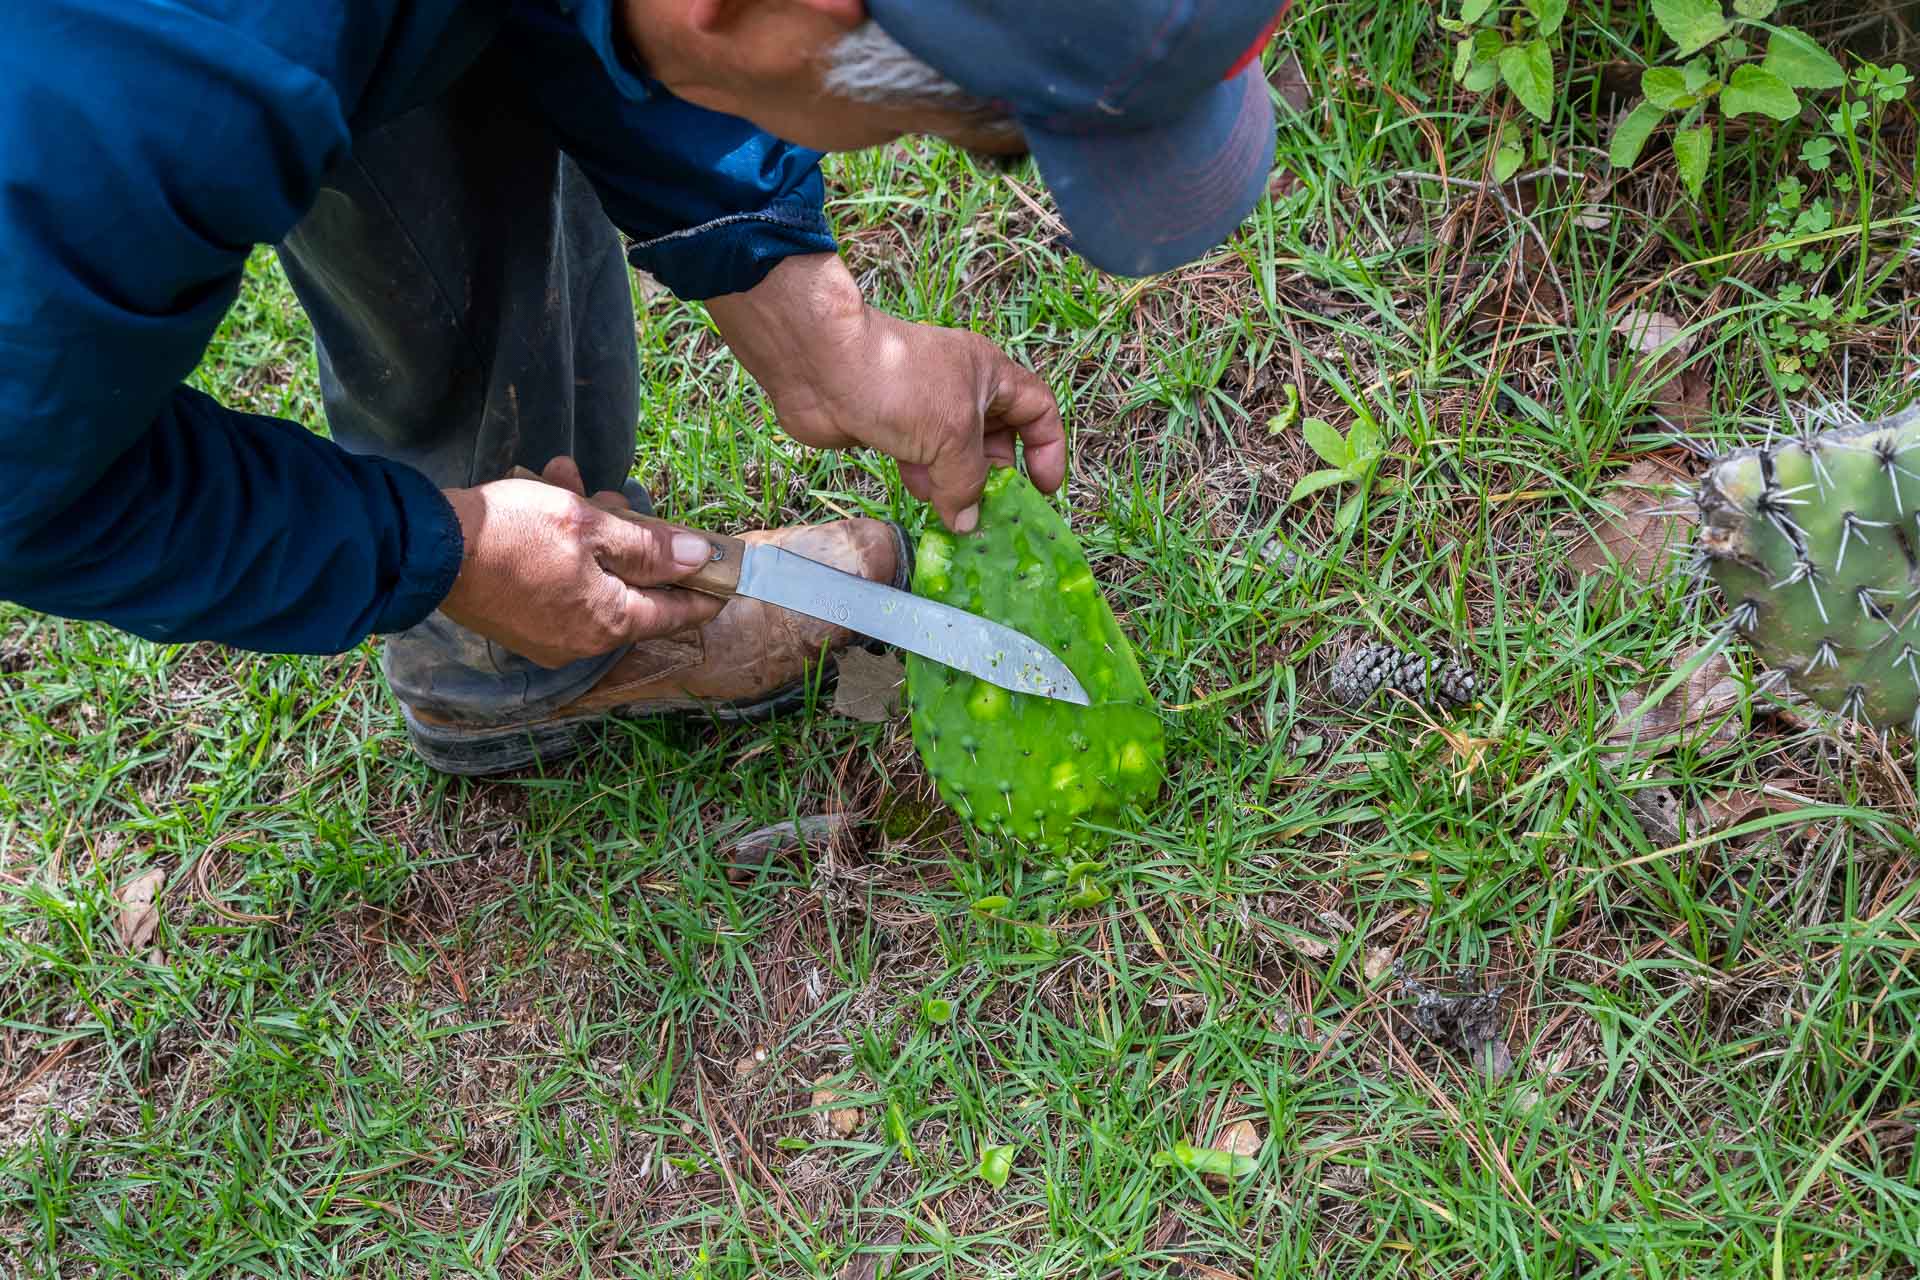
pixel 144 149
pixel 710 202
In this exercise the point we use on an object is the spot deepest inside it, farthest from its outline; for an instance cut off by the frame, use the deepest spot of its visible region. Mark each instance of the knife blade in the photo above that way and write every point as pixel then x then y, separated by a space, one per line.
pixel 965 641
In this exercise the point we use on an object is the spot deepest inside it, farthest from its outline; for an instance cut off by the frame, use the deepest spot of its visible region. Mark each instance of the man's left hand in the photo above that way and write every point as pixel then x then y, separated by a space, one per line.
pixel 945 403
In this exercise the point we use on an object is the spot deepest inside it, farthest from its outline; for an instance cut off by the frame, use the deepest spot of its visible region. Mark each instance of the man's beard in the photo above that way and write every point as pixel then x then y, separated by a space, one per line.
pixel 868 65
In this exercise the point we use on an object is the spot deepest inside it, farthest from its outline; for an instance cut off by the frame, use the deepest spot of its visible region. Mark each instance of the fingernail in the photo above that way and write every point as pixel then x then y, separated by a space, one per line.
pixel 691 551
pixel 967 519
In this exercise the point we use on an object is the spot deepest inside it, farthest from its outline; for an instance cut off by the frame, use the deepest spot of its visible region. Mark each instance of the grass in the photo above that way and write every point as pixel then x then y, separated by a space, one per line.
pixel 394 1025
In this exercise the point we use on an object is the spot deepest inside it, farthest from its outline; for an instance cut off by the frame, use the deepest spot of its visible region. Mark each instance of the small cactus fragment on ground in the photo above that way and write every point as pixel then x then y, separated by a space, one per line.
pixel 1018 764
pixel 1813 542
pixel 1364 670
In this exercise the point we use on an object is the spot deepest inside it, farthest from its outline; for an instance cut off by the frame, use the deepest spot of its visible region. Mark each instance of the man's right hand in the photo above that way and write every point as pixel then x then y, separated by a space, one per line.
pixel 555 577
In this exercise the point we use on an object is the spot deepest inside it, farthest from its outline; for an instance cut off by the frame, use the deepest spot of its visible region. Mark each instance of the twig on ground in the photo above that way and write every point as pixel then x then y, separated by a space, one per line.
pixel 45 1065
pixel 726 1171
pixel 202 876
pixel 747 1150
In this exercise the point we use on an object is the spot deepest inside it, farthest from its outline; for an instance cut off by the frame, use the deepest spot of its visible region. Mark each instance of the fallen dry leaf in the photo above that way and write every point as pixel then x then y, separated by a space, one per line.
pixel 1681 400
pixel 841 1121
pixel 1706 698
pixel 748 1063
pixel 1306 944
pixel 1675 387
pixel 1379 960
pixel 1241 1138
pixel 1725 809
pixel 1282 183
pixel 1289 80
pixel 648 287
pixel 1638 533
pixel 869 685
pixel 756 848
pixel 139 916
pixel 1657 809
pixel 1649 331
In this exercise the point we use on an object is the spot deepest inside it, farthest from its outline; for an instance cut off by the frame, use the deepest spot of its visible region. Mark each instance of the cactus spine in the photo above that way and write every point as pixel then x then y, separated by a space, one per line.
pixel 1815 543
pixel 1011 763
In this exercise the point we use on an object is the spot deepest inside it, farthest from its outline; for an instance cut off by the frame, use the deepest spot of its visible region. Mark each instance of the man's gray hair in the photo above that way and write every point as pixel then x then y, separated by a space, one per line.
pixel 868 65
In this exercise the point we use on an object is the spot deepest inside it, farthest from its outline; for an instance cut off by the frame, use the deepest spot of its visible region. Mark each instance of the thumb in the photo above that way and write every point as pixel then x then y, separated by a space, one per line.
pixel 564 472
pixel 645 553
pixel 954 480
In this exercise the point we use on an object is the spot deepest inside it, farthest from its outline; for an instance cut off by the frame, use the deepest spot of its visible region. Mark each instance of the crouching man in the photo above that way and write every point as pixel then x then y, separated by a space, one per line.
pixel 447 183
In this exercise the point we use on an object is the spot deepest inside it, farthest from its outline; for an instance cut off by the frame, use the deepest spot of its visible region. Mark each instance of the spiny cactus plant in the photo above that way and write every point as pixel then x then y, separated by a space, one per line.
pixel 1017 764
pixel 1815 543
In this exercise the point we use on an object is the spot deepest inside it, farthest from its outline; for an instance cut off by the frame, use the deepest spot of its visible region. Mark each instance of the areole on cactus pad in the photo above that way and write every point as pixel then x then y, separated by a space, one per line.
pixel 1815 543
pixel 1016 764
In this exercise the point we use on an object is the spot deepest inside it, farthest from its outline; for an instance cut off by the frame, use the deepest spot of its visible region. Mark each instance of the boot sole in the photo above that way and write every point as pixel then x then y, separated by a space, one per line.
pixel 481 752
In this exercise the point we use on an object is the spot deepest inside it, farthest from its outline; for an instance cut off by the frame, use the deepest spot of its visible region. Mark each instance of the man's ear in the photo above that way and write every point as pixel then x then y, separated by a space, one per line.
pixel 712 16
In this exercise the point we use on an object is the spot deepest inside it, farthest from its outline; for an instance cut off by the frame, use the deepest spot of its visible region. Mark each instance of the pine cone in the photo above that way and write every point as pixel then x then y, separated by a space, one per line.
pixel 1366 669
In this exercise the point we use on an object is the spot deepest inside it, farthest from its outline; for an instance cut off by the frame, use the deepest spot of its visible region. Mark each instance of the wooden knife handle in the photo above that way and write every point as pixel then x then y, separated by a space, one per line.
pixel 720 576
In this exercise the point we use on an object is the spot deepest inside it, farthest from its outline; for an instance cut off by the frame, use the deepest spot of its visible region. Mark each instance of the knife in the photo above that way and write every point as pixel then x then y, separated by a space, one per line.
pixel 967 642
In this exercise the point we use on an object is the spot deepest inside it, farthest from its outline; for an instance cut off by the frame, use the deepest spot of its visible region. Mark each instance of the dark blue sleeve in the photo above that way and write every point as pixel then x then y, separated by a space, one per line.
pixel 711 202
pixel 144 150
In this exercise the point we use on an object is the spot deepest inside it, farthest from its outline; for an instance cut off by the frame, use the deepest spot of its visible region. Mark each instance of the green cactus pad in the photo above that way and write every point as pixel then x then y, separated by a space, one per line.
pixel 1013 763
pixel 1816 546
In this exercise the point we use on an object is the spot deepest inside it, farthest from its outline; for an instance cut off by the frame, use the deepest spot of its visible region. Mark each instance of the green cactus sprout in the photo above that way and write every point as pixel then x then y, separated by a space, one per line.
pixel 1017 764
pixel 1815 543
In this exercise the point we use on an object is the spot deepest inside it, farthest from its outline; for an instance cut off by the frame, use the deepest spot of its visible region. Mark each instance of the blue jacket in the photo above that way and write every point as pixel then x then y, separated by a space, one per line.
pixel 145 147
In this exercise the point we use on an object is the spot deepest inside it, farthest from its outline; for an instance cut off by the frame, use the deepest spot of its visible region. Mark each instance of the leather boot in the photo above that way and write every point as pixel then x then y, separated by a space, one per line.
pixel 441 668
pixel 752 661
